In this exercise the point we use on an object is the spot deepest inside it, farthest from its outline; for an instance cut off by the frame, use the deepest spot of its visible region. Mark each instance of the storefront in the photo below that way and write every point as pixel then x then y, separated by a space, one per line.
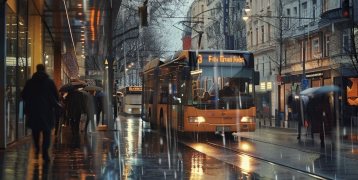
pixel 25 41
pixel 291 84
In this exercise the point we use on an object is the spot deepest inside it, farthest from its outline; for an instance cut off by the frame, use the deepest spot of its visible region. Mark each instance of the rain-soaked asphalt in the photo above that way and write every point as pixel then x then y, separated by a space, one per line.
pixel 135 152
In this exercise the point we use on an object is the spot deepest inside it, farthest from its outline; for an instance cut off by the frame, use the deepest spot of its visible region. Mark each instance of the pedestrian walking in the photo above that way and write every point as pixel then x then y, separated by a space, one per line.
pixel 75 103
pixel 41 100
pixel 321 114
pixel 296 107
pixel 90 108
pixel 100 99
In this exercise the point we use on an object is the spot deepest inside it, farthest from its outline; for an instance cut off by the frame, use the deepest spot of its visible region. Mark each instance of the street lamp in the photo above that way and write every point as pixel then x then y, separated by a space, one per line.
pixel 247 7
pixel 245 17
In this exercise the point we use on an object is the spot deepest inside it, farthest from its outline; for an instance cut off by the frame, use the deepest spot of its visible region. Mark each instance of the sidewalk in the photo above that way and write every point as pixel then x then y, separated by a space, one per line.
pixel 346 132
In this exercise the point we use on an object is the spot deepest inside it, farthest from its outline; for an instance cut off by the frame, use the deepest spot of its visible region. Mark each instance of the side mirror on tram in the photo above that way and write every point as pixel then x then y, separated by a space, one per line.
pixel 257 78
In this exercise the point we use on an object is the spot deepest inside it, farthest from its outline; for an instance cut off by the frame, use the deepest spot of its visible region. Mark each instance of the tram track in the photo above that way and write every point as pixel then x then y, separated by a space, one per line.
pixel 267 161
pixel 258 158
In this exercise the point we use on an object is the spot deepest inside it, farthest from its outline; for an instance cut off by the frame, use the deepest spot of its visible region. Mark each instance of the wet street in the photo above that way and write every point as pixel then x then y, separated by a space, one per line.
pixel 136 152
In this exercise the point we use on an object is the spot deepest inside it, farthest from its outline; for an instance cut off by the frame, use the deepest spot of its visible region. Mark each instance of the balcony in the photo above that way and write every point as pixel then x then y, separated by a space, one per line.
pixel 331 16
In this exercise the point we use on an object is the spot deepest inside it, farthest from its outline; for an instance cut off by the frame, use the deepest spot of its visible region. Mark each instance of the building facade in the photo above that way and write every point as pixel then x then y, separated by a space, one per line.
pixel 197 23
pixel 264 40
pixel 323 39
pixel 26 41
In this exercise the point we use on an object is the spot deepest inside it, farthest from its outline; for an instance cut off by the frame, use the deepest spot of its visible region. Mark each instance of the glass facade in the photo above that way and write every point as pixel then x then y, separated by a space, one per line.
pixel 28 43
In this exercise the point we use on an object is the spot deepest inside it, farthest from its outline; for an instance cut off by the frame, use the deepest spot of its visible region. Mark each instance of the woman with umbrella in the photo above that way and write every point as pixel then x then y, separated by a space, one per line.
pixel 319 110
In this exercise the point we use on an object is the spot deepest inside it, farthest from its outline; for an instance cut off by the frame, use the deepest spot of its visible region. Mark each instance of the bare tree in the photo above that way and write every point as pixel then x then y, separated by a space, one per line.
pixel 136 45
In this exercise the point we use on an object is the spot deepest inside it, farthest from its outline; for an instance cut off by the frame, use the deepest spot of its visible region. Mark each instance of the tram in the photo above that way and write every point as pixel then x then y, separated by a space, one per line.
pixel 130 99
pixel 201 91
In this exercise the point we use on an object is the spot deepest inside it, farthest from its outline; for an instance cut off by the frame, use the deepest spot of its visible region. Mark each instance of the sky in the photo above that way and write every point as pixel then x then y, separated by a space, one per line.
pixel 172 34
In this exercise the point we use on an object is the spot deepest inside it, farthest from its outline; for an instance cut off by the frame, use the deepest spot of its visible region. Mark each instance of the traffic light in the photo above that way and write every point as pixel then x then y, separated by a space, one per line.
pixel 345 8
pixel 143 14
pixel 140 74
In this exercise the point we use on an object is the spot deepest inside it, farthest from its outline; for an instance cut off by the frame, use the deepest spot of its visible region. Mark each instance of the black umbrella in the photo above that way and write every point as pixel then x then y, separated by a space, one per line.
pixel 72 86
pixel 320 90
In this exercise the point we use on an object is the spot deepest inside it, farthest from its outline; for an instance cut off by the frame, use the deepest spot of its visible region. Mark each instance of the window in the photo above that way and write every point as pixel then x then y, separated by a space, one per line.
pixel 315 50
pixel 295 11
pixel 304 53
pixel 268 32
pixel 304 12
pixel 202 10
pixel 262 34
pixel 314 9
pixel 346 44
pixel 327 46
pixel 251 38
pixel 325 6
pixel 257 36
pixel 218 7
pixel 270 68
pixel 288 20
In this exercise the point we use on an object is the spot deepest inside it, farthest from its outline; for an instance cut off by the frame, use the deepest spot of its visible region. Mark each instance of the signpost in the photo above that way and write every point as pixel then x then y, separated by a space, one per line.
pixel 304 83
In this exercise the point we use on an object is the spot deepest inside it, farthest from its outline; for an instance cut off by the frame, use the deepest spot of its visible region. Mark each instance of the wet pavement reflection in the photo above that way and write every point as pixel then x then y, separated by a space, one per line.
pixel 134 152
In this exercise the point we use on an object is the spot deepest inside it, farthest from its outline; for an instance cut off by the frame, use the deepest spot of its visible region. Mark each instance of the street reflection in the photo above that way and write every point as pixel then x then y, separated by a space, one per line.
pixel 245 163
pixel 139 153
pixel 196 165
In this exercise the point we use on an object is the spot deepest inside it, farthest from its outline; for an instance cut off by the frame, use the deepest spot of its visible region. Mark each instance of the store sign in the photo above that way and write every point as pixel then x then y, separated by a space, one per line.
pixel 314 74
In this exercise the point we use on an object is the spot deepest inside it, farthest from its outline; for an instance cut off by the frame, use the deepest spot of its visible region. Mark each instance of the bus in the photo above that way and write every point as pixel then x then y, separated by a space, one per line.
pixel 129 99
pixel 201 91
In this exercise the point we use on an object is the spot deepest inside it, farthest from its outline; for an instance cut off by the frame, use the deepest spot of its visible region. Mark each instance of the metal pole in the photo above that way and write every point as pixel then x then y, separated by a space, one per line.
pixel 304 58
pixel 110 71
pixel 280 66
pixel 3 72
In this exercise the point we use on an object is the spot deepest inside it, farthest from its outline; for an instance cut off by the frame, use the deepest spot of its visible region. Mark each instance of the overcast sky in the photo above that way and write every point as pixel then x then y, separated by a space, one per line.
pixel 172 34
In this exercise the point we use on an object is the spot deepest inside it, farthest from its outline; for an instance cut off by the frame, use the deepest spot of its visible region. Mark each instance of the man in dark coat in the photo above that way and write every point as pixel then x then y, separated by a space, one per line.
pixel 100 99
pixel 322 117
pixel 39 95
pixel 75 107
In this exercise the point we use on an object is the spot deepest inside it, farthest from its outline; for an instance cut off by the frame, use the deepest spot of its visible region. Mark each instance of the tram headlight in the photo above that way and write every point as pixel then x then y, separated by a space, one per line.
pixel 194 119
pixel 129 110
pixel 248 119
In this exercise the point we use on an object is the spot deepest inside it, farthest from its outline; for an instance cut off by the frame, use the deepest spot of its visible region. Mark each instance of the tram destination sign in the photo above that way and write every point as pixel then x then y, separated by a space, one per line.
pixel 222 59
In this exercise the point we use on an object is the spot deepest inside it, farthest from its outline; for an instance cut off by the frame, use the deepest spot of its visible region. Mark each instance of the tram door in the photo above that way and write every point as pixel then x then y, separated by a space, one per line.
pixel 173 102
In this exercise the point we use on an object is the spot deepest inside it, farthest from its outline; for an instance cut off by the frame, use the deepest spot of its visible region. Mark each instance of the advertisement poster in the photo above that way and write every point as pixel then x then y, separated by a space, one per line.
pixel 352 91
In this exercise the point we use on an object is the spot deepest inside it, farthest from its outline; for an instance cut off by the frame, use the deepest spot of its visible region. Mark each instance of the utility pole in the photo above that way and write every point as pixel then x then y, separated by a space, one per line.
pixel 280 64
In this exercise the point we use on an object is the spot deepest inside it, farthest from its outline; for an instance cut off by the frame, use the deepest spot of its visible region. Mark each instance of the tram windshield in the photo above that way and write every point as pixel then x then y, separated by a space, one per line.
pixel 221 88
